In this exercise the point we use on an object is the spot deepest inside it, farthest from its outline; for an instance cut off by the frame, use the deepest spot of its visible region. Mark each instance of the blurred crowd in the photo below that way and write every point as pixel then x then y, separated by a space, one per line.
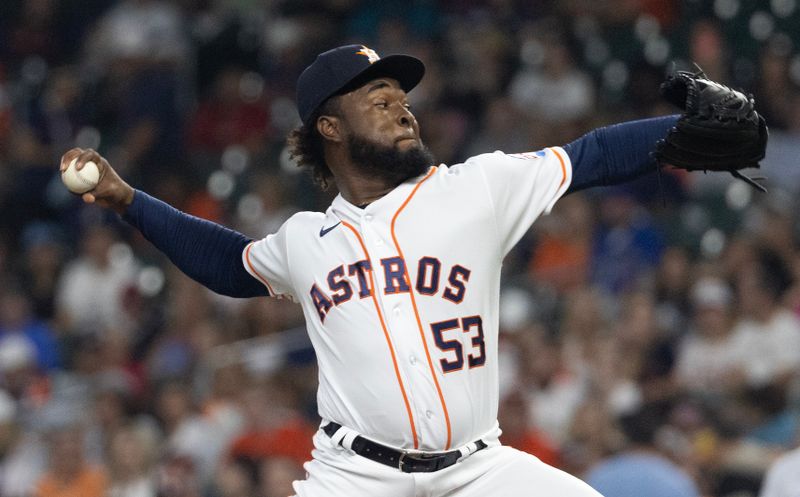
pixel 650 332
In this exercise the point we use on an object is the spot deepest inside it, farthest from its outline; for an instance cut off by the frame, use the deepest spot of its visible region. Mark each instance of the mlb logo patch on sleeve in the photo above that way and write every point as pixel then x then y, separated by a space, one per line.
pixel 529 155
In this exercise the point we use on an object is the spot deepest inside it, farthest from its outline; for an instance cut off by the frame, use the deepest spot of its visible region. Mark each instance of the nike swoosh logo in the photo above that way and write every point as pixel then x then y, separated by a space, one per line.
pixel 324 231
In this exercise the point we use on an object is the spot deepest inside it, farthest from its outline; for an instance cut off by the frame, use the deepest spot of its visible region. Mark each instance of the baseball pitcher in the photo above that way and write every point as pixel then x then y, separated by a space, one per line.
pixel 399 279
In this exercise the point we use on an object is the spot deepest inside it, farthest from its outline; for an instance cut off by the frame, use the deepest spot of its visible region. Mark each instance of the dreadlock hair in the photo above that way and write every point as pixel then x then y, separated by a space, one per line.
pixel 306 144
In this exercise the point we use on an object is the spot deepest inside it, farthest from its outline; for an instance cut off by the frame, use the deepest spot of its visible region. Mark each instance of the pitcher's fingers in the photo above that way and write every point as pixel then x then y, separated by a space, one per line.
pixel 88 198
pixel 67 158
pixel 87 155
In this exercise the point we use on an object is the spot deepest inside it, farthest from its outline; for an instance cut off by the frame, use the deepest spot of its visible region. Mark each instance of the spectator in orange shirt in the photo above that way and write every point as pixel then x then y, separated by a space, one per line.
pixel 518 433
pixel 68 473
pixel 564 244
pixel 275 425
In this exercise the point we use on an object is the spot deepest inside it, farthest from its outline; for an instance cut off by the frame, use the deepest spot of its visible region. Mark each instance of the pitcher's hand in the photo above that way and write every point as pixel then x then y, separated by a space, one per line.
pixel 111 191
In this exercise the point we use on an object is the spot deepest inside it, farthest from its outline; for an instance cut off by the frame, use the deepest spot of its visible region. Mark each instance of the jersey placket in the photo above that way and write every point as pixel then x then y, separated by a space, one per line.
pixel 395 305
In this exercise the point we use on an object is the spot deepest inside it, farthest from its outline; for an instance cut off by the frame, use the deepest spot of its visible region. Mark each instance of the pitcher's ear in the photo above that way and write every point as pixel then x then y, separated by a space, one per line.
pixel 329 127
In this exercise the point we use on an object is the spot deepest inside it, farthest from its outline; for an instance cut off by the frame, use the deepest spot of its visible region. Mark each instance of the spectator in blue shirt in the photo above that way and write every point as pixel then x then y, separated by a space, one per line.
pixel 16 318
pixel 640 470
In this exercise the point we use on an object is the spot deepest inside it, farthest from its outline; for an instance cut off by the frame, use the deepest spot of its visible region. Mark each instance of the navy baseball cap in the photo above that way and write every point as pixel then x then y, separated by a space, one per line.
pixel 346 67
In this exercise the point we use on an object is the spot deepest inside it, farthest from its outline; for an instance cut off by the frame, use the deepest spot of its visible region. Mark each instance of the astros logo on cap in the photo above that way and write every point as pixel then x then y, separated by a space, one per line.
pixel 369 54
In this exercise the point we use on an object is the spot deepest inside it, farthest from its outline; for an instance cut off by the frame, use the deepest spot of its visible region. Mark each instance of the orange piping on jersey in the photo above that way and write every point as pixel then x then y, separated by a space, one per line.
pixel 386 335
pixel 563 167
pixel 416 311
pixel 253 269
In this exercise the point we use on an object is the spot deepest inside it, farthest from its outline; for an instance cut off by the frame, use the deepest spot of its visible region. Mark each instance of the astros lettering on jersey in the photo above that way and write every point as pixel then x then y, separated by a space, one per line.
pixel 401 297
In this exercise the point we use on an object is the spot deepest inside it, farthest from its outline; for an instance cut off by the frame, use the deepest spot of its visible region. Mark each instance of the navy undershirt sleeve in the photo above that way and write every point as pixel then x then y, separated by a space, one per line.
pixel 617 153
pixel 207 252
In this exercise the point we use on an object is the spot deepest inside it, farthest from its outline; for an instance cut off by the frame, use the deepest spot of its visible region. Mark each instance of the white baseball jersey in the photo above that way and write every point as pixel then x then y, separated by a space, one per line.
pixel 401 297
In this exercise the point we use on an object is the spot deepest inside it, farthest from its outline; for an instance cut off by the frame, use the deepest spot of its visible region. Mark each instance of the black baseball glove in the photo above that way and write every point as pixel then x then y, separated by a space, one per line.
pixel 719 130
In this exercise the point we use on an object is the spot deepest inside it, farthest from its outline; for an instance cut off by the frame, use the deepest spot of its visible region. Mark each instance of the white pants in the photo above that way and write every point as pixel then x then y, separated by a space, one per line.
pixel 496 471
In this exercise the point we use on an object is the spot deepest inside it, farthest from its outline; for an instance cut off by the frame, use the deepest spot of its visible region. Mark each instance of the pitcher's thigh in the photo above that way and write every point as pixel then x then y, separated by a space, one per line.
pixel 512 473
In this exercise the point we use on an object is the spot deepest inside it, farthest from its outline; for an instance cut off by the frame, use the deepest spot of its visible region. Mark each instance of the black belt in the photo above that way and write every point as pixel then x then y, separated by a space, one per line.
pixel 405 462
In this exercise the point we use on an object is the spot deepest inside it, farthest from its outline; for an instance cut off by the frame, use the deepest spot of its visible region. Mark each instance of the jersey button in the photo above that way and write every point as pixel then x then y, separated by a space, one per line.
pixel 396 310
pixel 378 242
pixel 429 414
pixel 412 360
pixel 368 217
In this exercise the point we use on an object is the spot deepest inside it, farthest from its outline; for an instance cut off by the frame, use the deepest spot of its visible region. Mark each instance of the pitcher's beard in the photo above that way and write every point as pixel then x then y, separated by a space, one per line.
pixel 388 163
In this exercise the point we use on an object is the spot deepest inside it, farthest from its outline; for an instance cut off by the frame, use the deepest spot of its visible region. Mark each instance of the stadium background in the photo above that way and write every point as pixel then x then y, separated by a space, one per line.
pixel 119 376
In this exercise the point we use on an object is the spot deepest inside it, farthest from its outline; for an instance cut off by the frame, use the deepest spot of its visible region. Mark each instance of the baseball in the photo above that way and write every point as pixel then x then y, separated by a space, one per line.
pixel 81 181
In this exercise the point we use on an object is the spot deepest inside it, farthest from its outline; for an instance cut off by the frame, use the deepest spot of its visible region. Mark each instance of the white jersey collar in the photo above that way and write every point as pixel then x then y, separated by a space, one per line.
pixel 387 204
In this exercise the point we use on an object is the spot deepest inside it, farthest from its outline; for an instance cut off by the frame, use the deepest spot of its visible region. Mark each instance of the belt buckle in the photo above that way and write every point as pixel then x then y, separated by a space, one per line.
pixel 401 460
pixel 415 457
